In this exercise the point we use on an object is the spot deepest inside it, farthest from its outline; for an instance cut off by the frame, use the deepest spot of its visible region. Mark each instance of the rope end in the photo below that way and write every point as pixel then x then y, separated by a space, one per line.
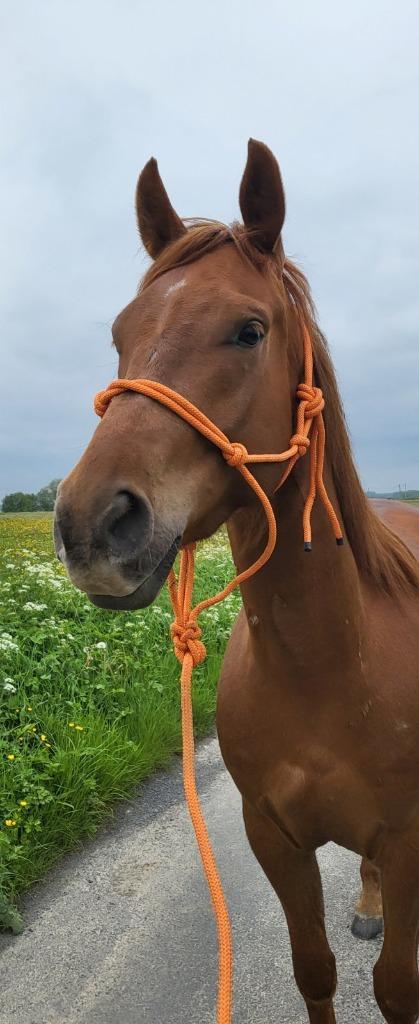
pixel 307 545
pixel 340 541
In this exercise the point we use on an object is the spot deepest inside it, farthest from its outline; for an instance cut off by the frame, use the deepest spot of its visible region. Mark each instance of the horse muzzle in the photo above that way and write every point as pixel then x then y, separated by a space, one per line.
pixel 121 556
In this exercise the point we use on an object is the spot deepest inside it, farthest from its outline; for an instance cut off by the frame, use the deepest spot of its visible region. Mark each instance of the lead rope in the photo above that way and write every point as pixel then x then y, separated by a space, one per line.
pixel 185 631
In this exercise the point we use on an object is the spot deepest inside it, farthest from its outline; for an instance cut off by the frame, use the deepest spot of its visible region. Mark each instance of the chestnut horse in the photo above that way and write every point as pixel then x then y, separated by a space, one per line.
pixel 318 702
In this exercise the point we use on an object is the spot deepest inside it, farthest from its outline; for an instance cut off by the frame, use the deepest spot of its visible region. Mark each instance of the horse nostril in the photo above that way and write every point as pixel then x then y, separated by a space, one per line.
pixel 58 539
pixel 128 524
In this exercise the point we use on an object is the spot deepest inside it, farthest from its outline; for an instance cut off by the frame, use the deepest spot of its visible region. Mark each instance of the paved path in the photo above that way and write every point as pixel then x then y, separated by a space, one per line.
pixel 122 932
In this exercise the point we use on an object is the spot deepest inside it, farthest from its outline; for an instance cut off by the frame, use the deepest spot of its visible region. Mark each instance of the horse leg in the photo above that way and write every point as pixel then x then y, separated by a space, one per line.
pixel 396 979
pixel 368 919
pixel 295 877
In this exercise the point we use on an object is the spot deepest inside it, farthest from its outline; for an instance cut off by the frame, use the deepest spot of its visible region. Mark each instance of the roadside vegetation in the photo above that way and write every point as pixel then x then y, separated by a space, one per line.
pixel 89 700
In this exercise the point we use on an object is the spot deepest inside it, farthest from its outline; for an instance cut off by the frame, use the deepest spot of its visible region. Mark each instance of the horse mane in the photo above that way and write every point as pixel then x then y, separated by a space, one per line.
pixel 382 559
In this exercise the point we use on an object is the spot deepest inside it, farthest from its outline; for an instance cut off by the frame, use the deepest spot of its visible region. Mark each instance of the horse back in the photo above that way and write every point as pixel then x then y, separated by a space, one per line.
pixel 401 518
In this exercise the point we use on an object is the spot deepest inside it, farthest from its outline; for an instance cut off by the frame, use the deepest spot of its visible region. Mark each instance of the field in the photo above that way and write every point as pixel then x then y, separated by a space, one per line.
pixel 89 700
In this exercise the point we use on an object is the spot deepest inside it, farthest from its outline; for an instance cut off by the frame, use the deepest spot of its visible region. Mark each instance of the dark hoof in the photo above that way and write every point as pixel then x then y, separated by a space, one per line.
pixel 366 927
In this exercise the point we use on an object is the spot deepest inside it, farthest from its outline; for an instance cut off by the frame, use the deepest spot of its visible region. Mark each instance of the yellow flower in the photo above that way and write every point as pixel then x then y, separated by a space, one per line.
pixel 48 745
pixel 79 728
pixel 28 708
pixel 10 822
pixel 71 725
pixel 42 737
pixel 23 803
pixel 10 757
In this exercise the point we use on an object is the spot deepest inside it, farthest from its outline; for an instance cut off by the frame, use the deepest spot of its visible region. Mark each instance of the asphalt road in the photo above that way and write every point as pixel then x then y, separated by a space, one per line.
pixel 122 931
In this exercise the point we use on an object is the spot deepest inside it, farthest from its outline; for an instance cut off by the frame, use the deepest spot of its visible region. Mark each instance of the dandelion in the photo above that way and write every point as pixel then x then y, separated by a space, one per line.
pixel 79 728
pixel 28 708
pixel 71 725
pixel 10 757
pixel 23 803
pixel 10 822
pixel 42 737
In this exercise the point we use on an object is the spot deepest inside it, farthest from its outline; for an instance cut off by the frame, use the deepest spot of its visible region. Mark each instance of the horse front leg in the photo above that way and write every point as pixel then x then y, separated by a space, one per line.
pixel 396 979
pixel 295 876
pixel 368 919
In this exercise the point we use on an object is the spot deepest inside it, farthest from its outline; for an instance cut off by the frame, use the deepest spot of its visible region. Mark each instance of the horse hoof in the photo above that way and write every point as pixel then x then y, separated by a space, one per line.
pixel 366 927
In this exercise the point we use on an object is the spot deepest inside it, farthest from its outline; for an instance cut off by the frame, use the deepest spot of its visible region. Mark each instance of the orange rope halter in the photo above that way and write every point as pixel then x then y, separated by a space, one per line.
pixel 185 631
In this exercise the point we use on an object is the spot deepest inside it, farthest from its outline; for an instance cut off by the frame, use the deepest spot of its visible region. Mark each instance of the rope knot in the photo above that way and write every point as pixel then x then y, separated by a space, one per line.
pixel 236 454
pixel 301 441
pixel 101 402
pixel 188 638
pixel 312 398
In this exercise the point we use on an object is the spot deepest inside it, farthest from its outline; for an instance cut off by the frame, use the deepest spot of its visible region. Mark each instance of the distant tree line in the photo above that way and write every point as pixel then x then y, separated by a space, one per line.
pixel 400 495
pixel 43 501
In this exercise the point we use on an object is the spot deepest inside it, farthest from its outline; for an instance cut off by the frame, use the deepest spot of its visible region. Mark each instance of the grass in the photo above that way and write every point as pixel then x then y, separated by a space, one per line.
pixel 89 700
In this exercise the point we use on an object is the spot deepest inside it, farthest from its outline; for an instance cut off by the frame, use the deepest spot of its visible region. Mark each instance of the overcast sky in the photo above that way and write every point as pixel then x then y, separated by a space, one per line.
pixel 91 89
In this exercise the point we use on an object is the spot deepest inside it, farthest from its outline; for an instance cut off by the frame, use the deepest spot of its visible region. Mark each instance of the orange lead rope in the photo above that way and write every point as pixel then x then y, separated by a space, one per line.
pixel 185 631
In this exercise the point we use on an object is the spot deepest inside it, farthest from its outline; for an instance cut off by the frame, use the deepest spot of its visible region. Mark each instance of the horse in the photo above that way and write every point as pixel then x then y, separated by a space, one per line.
pixel 318 699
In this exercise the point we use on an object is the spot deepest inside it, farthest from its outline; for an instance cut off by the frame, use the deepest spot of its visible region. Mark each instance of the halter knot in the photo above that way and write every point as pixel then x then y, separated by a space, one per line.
pixel 301 441
pixel 187 638
pixel 236 454
pixel 312 398
pixel 101 402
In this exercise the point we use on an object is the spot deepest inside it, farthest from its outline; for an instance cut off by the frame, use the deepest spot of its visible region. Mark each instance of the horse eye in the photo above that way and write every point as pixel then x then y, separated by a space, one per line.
pixel 251 334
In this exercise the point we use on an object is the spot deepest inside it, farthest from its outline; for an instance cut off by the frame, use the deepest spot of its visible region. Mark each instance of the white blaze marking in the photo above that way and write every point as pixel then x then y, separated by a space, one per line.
pixel 175 287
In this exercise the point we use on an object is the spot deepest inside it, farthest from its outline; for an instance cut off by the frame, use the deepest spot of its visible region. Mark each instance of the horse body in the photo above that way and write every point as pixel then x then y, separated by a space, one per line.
pixel 318 721
pixel 315 717
pixel 318 702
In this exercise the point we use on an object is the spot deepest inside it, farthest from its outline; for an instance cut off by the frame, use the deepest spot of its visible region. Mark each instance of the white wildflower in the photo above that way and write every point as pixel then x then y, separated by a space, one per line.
pixel 35 606
pixel 9 687
pixel 101 646
pixel 6 643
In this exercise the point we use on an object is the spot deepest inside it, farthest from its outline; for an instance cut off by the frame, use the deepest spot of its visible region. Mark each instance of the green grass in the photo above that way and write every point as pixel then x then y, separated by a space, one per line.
pixel 89 700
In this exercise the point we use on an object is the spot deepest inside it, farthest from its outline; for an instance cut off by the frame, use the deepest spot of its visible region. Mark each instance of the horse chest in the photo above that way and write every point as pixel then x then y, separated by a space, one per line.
pixel 297 777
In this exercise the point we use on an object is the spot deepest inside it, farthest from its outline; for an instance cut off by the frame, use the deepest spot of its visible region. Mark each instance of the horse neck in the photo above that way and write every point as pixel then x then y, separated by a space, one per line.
pixel 303 608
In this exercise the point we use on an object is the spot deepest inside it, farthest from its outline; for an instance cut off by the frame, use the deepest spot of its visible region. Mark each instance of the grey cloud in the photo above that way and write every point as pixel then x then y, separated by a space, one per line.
pixel 92 90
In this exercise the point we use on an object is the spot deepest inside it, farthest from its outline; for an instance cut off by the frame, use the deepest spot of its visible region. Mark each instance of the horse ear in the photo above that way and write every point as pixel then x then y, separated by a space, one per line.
pixel 262 199
pixel 158 223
